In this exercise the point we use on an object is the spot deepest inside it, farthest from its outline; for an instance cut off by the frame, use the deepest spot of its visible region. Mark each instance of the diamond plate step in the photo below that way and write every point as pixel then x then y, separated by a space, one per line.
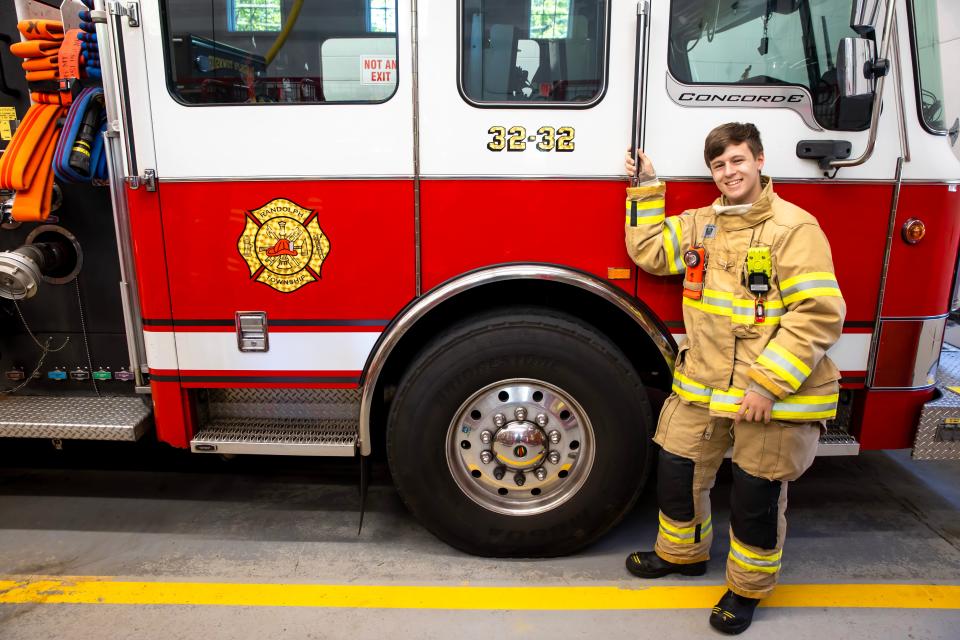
pixel 837 442
pixel 282 437
pixel 73 418
pixel 938 435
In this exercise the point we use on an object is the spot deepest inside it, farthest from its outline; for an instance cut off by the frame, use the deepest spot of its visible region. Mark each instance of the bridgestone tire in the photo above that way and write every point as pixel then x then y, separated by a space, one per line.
pixel 522 343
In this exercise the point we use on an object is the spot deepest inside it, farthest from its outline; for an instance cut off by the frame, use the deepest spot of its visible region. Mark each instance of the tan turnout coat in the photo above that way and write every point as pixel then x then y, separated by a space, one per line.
pixel 726 351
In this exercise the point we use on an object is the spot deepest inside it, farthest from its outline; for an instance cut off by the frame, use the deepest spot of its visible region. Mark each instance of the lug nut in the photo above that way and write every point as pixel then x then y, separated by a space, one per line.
pixel 554 457
pixel 486 437
pixel 519 478
pixel 499 472
pixel 554 436
pixel 541 420
pixel 486 457
pixel 499 420
pixel 541 473
pixel 521 413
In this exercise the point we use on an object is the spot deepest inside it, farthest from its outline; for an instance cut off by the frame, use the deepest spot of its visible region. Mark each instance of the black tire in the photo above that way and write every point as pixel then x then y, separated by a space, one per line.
pixel 520 343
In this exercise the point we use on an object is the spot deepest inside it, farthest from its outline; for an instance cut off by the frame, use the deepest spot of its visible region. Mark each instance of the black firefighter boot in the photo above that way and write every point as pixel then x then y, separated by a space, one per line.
pixel 647 564
pixel 733 614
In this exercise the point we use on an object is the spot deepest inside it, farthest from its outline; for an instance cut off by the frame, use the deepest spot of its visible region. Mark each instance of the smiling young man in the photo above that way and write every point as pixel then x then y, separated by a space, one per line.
pixel 761 306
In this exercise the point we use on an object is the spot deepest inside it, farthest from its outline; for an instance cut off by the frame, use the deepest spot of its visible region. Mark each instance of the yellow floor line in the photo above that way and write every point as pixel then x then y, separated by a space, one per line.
pixel 86 590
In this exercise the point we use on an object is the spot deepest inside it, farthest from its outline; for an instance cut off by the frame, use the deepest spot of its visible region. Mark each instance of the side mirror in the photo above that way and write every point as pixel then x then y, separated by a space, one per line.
pixel 863 16
pixel 855 62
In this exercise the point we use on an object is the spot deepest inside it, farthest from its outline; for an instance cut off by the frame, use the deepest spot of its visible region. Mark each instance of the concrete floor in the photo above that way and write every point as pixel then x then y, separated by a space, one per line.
pixel 147 513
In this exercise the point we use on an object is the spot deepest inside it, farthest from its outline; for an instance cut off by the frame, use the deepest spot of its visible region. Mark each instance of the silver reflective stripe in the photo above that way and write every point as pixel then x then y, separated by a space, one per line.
pixel 689 388
pixel 754 561
pixel 725 398
pixel 810 284
pixel 786 364
pixel 804 408
pixel 717 302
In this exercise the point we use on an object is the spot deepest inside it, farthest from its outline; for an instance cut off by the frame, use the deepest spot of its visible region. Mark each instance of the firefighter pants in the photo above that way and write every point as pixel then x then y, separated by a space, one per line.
pixel 765 458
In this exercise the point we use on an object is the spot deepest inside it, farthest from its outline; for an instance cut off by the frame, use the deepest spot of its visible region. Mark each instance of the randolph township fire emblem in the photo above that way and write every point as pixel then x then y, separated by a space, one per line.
pixel 283 245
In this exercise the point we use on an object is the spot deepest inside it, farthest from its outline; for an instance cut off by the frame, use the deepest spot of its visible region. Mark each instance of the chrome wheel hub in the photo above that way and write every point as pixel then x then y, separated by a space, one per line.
pixel 520 447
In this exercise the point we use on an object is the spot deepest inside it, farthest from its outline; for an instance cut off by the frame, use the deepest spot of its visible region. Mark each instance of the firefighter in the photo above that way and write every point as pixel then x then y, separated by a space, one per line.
pixel 761 306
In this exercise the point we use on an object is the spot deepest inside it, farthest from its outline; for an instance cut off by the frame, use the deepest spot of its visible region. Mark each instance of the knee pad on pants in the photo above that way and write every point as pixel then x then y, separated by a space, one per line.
pixel 675 486
pixel 753 509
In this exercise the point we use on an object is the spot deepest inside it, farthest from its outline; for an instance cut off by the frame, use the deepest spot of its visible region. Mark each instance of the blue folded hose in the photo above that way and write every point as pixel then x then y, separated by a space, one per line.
pixel 68 140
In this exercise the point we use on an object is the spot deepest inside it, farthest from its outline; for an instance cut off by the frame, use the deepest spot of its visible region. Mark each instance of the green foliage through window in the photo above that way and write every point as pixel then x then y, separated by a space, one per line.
pixel 255 15
pixel 381 15
pixel 549 18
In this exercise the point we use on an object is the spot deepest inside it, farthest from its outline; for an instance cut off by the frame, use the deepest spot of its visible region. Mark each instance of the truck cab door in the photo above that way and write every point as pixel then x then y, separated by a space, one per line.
pixel 280 135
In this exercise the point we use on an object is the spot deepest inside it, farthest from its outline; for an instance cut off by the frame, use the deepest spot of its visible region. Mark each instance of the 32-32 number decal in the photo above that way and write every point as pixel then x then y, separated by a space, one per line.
pixel 515 138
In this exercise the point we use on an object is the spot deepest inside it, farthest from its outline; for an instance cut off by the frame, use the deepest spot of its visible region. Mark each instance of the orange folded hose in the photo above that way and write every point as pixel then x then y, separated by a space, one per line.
pixel 51 98
pixel 40 64
pixel 35 48
pixel 26 165
pixel 41 29
pixel 40 76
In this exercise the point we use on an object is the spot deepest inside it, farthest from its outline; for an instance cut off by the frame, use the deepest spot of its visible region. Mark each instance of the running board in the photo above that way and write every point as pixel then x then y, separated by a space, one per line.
pixel 74 418
pixel 938 434
pixel 283 437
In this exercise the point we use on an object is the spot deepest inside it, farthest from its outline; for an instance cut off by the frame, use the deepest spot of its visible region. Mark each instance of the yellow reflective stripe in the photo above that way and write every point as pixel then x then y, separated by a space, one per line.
pixel 742 550
pixel 724 406
pixel 683 530
pixel 690 390
pixel 690 381
pixel 820 292
pixel 777 414
pixel 810 399
pixel 687 395
pixel 671 245
pixel 789 357
pixel 780 371
pixel 750 567
pixel 806 277
pixel 707 307
pixel 649 204
pixel 675 539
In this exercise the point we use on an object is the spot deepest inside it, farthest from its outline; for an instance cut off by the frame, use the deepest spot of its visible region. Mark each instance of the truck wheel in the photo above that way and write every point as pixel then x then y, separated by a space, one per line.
pixel 520 433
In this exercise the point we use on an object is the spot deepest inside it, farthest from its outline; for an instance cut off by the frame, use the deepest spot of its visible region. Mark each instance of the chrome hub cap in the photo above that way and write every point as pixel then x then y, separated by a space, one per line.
pixel 520 447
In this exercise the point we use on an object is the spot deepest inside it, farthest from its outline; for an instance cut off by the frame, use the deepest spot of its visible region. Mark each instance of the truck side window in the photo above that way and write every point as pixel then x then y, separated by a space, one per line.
pixel 764 42
pixel 280 51
pixel 925 37
pixel 533 52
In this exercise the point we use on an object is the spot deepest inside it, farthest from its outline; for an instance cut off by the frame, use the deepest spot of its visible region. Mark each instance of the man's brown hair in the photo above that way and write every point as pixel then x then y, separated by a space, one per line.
pixel 731 133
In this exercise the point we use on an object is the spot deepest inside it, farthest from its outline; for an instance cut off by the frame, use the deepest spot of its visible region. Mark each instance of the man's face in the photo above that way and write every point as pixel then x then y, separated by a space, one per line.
pixel 737 173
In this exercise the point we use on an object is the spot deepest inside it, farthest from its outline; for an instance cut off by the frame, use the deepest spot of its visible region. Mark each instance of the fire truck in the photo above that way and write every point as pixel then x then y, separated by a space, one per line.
pixel 394 227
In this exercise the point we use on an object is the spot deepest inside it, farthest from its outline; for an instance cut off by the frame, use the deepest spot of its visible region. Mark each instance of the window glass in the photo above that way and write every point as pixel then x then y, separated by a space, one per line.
pixel 254 15
pixel 768 42
pixel 280 51
pixel 926 42
pixel 381 15
pixel 533 51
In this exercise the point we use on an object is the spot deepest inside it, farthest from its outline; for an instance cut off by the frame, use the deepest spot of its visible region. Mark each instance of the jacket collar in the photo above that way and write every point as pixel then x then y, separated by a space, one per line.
pixel 757 213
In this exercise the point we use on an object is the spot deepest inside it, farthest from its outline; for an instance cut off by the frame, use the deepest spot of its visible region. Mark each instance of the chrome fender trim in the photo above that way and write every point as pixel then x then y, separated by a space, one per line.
pixel 450 289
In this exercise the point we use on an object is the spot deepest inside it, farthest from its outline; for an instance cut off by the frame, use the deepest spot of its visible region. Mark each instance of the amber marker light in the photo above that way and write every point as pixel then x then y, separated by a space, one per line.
pixel 913 231
pixel 618 273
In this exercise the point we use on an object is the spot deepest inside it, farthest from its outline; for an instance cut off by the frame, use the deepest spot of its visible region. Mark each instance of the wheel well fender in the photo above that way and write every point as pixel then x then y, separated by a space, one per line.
pixel 628 322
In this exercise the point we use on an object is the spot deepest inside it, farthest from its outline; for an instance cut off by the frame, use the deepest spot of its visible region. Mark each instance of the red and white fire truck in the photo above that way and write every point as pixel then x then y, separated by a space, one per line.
pixel 343 227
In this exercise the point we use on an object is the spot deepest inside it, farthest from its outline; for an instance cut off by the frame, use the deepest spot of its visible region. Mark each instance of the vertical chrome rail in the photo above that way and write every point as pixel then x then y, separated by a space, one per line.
pixel 415 77
pixel 639 81
pixel 891 231
pixel 115 102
